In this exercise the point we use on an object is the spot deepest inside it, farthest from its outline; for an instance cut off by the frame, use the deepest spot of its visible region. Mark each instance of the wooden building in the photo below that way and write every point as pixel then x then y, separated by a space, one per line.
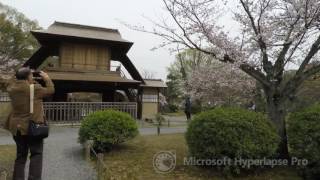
pixel 151 102
pixel 78 58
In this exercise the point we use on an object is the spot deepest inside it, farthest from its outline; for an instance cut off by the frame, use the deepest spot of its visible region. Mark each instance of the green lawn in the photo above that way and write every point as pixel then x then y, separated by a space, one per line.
pixel 7 156
pixel 133 160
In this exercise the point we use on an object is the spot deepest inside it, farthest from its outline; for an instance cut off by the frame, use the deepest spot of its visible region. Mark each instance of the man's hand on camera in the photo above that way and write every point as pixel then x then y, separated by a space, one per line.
pixel 44 75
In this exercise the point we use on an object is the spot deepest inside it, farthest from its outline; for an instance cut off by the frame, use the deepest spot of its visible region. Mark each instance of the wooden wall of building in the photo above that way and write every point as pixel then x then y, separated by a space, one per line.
pixel 84 56
pixel 150 102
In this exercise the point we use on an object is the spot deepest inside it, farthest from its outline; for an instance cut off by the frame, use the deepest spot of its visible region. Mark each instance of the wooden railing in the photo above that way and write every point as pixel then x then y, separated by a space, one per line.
pixel 74 112
pixel 4 97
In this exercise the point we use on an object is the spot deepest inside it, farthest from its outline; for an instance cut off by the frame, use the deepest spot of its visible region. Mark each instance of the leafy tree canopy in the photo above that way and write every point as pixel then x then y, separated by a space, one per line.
pixel 16 42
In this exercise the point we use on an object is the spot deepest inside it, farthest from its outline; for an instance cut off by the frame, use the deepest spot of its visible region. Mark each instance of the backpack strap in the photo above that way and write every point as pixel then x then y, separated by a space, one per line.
pixel 31 98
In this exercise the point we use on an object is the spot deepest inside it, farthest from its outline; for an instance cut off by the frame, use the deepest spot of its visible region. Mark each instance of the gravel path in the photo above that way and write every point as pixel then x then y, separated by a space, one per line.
pixel 63 155
pixel 64 158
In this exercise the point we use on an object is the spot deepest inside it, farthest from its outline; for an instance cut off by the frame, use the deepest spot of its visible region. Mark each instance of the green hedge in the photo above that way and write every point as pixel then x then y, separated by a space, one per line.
pixel 232 133
pixel 107 128
pixel 304 139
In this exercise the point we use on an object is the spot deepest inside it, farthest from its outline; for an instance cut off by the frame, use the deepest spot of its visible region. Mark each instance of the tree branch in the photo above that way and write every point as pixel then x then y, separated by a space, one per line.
pixel 279 64
pixel 258 75
pixel 314 49
pixel 267 66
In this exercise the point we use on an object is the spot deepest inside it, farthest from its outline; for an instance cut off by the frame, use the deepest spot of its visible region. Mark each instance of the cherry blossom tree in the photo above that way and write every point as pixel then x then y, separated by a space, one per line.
pixel 221 84
pixel 208 82
pixel 267 37
pixel 180 71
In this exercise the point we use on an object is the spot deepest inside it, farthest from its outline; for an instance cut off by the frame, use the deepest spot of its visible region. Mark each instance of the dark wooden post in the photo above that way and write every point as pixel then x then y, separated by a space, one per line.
pixel 88 146
pixel 100 166
pixel 139 103
pixel 158 129
pixel 158 99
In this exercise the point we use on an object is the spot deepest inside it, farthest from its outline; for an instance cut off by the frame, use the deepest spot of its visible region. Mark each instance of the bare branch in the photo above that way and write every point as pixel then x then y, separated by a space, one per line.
pixel 314 49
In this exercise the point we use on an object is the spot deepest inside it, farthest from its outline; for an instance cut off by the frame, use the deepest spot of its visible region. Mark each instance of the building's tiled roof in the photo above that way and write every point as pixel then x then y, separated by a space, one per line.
pixel 154 83
pixel 83 31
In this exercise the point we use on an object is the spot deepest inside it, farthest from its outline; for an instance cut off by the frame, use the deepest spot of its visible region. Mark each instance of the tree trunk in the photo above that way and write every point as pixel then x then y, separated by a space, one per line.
pixel 277 113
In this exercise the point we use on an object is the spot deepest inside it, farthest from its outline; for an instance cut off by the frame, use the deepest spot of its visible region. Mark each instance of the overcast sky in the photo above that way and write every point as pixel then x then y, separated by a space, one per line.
pixel 106 13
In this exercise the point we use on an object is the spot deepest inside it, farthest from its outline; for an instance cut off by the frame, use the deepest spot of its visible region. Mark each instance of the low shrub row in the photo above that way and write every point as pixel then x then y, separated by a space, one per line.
pixel 224 134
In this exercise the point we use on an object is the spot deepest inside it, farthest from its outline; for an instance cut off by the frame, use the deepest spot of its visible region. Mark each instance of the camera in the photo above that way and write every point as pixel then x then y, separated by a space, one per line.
pixel 36 75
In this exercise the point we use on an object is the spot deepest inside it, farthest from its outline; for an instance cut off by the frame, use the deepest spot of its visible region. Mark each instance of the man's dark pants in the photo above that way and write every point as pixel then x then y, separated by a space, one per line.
pixel 188 114
pixel 24 144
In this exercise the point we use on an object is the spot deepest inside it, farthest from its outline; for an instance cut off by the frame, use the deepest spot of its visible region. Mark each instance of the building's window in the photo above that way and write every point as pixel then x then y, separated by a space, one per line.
pixel 149 98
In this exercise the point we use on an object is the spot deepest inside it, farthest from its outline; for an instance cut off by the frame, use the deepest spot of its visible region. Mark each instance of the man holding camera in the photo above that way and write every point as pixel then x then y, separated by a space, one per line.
pixel 25 109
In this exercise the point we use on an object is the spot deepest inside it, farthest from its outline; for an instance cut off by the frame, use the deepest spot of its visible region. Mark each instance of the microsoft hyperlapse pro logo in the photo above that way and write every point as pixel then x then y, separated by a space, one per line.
pixel 244 163
pixel 164 161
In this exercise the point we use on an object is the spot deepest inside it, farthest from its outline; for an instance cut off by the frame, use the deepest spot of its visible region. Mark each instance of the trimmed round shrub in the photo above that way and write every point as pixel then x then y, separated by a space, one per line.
pixel 107 128
pixel 232 133
pixel 304 139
